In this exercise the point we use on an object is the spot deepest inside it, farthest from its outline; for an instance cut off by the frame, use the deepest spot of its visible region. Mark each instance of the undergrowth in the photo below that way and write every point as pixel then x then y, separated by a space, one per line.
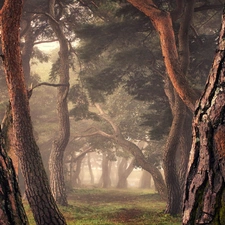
pixel 112 206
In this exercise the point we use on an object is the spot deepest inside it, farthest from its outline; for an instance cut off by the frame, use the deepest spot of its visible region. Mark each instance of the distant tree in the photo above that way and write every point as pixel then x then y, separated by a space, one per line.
pixel 38 190
pixel 124 170
pixel 140 159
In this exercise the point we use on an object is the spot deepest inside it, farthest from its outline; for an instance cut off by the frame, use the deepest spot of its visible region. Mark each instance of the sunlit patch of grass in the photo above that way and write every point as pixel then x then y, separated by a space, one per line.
pixel 112 206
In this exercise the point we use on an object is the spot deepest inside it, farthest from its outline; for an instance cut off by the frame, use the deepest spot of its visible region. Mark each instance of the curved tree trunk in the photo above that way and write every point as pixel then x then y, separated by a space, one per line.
pixel 174 202
pixel 162 22
pixel 205 187
pixel 141 161
pixel 134 150
pixel 56 157
pixel 174 140
pixel 38 190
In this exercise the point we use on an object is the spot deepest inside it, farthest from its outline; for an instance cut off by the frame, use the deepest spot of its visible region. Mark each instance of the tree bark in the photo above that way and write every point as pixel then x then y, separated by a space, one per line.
pixel 205 188
pixel 11 207
pixel 59 145
pixel 38 190
pixel 163 24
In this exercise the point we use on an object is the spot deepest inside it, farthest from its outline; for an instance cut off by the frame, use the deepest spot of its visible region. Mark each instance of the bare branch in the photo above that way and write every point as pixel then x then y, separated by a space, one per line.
pixel 41 42
pixel 95 133
pixel 80 155
pixel 49 84
pixel 108 119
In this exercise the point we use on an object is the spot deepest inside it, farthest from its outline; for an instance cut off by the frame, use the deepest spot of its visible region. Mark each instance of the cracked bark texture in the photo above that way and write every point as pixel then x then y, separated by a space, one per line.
pixel 38 191
pixel 57 181
pixel 205 188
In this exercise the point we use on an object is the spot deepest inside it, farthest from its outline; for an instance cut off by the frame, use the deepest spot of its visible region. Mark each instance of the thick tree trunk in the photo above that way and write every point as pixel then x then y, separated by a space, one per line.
pixel 59 145
pixel 205 187
pixel 38 190
pixel 174 202
pixel 174 141
pixel 11 207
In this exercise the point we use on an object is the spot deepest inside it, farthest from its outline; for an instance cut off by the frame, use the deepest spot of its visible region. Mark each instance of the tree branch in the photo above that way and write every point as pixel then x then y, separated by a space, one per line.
pixel 108 119
pixel 49 84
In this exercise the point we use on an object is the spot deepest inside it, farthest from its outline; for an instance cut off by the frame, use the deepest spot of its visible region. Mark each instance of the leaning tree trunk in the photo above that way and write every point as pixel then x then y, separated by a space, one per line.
pixel 141 161
pixel 134 150
pixel 59 145
pixel 205 187
pixel 38 190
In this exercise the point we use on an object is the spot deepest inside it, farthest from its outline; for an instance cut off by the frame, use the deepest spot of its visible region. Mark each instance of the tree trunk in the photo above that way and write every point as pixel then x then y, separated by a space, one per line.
pixel 11 207
pixel 76 173
pixel 162 22
pixel 174 202
pixel 59 145
pixel 27 51
pixel 38 190
pixel 205 188
pixel 141 161
pixel 90 169
pixel 123 173
pixel 145 181
pixel 174 140
pixel 134 150
pixel 106 181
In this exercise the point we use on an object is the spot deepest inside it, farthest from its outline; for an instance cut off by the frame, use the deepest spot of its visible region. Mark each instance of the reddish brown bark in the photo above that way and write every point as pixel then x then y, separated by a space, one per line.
pixel 163 24
pixel 205 187
pixel 11 207
pixel 38 190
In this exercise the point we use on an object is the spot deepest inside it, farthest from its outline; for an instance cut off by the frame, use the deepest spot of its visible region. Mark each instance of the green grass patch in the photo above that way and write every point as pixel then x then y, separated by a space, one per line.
pixel 112 206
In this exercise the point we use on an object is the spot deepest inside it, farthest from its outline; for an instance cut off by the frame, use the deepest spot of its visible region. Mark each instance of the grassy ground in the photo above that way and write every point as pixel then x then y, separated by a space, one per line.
pixel 109 207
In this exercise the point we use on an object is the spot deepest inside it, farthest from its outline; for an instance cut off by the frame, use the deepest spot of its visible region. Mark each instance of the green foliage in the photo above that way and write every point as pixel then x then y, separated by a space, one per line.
pixel 54 72
pixel 158 119
pixel 39 55
pixel 80 109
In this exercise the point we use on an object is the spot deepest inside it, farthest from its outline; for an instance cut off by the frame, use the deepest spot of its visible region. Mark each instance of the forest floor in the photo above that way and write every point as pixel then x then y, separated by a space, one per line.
pixel 112 206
